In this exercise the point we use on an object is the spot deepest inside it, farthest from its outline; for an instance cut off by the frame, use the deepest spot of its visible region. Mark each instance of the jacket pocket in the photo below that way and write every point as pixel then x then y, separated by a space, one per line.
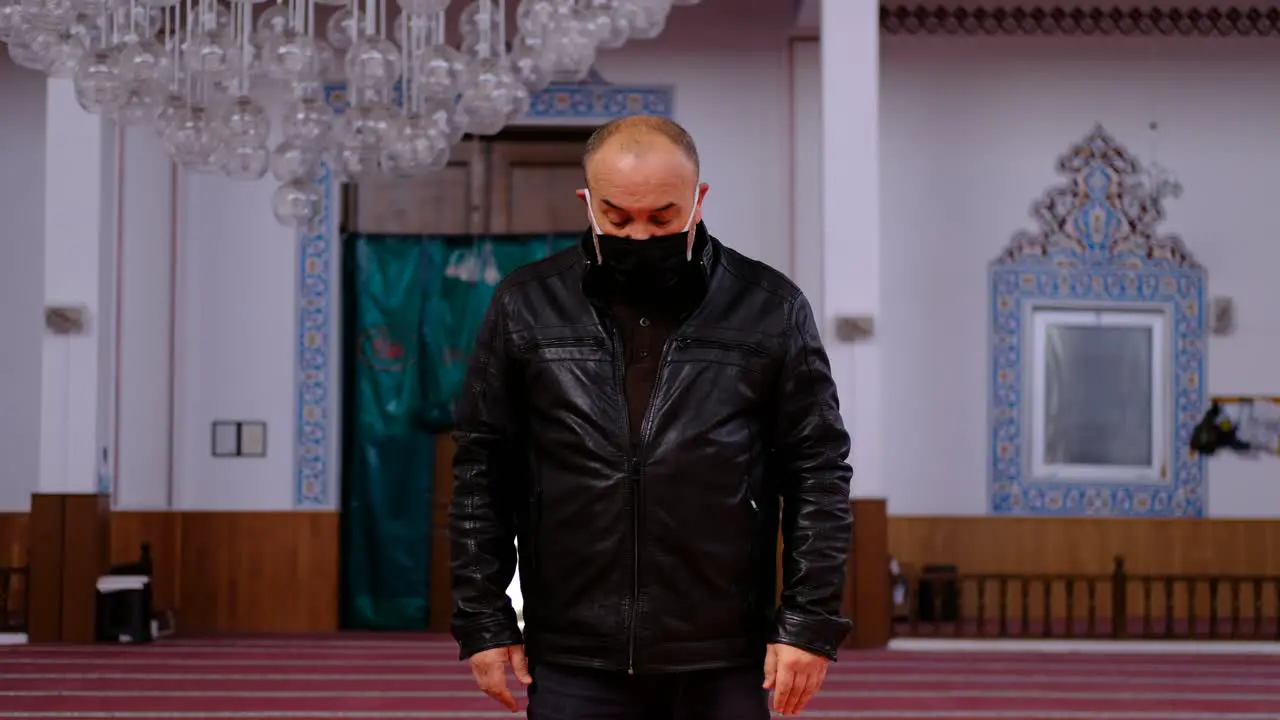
pixel 581 348
pixel 715 344
pixel 719 351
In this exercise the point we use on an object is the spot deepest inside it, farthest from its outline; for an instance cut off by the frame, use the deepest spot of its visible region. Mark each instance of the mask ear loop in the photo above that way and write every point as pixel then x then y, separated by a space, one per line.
pixel 693 229
pixel 595 231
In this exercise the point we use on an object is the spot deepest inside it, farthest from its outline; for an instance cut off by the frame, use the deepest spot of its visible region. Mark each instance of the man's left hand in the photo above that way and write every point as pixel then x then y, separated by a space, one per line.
pixel 793 675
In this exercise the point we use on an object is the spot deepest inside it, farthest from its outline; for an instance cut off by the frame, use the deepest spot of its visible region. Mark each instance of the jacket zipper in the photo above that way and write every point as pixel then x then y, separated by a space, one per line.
pixel 620 383
pixel 646 425
pixel 720 345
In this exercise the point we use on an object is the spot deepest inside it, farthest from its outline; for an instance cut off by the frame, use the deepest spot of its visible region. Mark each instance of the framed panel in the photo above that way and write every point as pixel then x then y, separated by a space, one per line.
pixel 1097 257
pixel 1098 395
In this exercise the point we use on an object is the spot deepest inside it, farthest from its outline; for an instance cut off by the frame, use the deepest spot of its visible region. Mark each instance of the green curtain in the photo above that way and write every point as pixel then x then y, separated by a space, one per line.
pixel 412 308
pixel 461 275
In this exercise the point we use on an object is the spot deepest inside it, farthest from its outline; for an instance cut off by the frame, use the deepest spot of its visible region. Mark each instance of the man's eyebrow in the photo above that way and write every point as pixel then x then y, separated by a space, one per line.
pixel 615 206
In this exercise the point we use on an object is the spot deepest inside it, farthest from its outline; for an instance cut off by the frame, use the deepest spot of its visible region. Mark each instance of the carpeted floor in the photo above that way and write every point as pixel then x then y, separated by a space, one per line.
pixel 362 676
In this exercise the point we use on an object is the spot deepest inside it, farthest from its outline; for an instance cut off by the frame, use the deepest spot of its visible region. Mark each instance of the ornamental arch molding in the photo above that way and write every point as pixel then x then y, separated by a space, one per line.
pixel 1097 246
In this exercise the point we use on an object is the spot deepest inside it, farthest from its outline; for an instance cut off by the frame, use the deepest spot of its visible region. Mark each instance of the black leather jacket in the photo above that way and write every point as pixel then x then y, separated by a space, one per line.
pixel 661 559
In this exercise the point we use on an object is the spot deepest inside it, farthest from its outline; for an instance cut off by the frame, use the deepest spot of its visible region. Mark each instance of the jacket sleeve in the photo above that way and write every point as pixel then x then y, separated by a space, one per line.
pixel 482 529
pixel 811 447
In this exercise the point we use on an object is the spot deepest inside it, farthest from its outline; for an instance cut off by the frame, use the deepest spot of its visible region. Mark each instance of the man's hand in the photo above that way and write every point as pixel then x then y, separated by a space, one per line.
pixel 793 675
pixel 489 668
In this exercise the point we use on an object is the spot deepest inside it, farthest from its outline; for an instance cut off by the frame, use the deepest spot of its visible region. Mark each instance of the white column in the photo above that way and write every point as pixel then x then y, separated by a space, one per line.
pixel 144 276
pixel 79 231
pixel 850 51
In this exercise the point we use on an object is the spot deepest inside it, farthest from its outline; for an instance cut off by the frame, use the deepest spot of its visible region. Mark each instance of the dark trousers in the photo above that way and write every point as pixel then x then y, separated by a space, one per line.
pixel 566 693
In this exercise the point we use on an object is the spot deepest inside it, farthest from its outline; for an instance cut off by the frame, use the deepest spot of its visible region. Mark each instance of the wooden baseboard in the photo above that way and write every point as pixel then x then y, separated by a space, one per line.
pixel 226 572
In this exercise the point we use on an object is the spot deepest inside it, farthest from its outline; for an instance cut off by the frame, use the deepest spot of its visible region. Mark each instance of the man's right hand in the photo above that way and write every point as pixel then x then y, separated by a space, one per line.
pixel 489 668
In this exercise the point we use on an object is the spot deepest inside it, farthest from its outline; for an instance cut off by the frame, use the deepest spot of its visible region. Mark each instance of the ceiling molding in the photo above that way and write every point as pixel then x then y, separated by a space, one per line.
pixel 1207 21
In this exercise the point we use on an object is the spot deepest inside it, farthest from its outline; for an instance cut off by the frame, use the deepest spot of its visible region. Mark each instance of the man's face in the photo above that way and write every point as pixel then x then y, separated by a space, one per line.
pixel 639 195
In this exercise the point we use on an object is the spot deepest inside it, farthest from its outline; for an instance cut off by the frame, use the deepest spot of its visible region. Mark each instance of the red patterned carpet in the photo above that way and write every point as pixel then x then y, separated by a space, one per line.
pixel 362 676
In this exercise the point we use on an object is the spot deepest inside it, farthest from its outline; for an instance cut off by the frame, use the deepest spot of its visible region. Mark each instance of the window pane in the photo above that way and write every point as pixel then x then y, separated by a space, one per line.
pixel 1098 395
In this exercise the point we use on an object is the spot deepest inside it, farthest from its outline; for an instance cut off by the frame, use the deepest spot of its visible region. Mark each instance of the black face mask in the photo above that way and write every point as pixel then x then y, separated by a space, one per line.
pixel 653 264
pixel 645 266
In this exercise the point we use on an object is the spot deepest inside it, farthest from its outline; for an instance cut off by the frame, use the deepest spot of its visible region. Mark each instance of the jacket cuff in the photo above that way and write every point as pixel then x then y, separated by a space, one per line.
pixel 820 635
pixel 476 638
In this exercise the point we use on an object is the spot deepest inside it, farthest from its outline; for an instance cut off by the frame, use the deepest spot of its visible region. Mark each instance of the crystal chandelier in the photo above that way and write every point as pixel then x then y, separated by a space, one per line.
pixel 211 77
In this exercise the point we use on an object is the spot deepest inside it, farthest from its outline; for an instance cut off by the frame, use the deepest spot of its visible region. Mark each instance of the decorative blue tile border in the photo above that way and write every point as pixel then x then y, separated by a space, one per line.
pixel 593 102
pixel 1098 244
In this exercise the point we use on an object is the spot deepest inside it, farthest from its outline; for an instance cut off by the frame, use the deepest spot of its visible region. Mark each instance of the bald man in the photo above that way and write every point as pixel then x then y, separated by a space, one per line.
pixel 643 412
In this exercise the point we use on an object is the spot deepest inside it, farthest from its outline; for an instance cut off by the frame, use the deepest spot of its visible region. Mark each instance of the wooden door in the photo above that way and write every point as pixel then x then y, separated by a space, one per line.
pixel 529 187
pixel 521 183
pixel 449 202
pixel 532 187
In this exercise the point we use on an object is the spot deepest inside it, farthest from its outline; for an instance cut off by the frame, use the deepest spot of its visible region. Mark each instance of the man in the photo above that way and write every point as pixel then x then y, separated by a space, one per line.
pixel 642 411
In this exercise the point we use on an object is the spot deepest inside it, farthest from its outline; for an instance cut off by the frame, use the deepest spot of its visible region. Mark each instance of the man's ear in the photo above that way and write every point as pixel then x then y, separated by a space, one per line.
pixel 581 193
pixel 703 188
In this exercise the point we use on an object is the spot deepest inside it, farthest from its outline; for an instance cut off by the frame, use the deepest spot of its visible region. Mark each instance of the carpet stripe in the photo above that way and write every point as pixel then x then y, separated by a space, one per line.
pixel 826 694
pixel 477 702
pixel 156 656
pixel 831 715
pixel 461 681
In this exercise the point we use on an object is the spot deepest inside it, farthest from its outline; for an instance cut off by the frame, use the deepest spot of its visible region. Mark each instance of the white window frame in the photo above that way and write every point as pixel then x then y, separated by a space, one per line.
pixel 1157 322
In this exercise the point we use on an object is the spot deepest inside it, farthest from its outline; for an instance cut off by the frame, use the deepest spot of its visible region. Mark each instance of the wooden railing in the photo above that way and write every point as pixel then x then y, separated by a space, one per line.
pixel 14 595
pixel 1117 606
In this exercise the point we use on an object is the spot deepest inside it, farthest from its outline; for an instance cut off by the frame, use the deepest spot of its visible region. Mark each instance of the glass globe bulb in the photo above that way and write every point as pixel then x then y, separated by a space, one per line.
pixel 471 22
pixel 530 66
pixel 144 61
pixel 291 161
pixel 435 73
pixel 64 60
pixel 23 56
pixel 245 118
pixel 342 29
pixel 10 20
pixel 307 121
pixel 98 85
pixel 245 159
pixel 192 136
pixel 296 204
pixel 417 147
pixel 139 106
pixel 373 62
pixel 271 23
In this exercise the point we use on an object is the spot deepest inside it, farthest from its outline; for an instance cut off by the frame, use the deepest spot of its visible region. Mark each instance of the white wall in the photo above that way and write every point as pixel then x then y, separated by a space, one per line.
pixel 970 132
pixel 22 115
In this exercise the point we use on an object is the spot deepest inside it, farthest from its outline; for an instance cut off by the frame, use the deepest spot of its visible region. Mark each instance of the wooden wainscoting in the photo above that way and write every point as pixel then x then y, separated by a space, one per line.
pixel 239 572
pixel 13 538
pixel 1088 547
pixel 226 572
